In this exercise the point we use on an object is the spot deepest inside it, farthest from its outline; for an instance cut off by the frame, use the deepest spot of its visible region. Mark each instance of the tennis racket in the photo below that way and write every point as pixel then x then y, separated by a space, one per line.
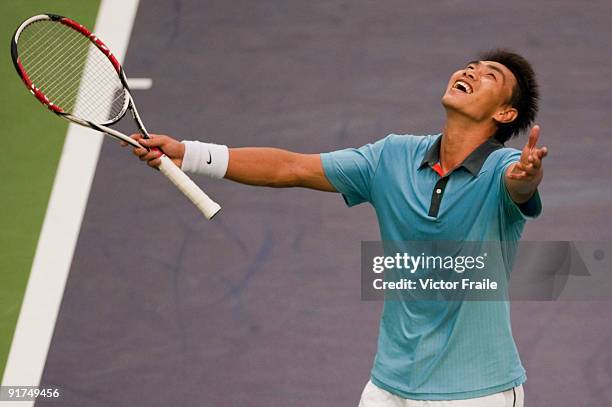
pixel 71 71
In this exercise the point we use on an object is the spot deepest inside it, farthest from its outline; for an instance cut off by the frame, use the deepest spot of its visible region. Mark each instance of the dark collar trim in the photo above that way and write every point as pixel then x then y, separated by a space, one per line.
pixel 473 162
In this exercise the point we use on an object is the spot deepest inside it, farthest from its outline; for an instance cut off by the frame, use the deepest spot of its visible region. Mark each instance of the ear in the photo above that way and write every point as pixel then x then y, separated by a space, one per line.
pixel 506 115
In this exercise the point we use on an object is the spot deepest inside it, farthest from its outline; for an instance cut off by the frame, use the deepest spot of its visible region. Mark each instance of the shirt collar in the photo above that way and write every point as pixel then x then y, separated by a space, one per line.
pixel 473 162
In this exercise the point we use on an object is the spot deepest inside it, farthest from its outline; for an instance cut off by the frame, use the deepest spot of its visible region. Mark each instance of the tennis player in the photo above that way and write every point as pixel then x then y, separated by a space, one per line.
pixel 462 184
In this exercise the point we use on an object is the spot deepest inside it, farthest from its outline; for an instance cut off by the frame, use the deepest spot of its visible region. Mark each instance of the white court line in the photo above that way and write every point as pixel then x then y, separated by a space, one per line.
pixel 62 224
pixel 140 83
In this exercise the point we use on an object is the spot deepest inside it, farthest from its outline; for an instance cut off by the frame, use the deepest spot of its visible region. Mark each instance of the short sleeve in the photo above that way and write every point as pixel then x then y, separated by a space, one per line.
pixel 351 171
pixel 513 211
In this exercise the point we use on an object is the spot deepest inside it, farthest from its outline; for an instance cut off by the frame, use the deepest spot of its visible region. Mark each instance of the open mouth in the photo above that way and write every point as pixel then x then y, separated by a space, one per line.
pixel 463 87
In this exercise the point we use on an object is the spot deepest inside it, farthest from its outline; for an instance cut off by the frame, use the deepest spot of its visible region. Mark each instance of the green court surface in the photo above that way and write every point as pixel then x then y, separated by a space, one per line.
pixel 32 140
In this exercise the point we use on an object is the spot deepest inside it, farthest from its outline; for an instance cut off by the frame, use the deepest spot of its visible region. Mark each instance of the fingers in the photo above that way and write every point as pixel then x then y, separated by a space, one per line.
pixel 526 169
pixel 135 136
pixel 517 172
pixel 154 141
pixel 151 148
pixel 146 155
pixel 531 169
pixel 535 158
pixel 517 175
pixel 152 157
pixel 535 161
pixel 533 137
pixel 154 163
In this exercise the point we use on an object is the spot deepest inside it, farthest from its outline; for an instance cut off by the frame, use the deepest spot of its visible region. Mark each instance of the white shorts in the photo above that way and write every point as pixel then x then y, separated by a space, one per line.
pixel 374 396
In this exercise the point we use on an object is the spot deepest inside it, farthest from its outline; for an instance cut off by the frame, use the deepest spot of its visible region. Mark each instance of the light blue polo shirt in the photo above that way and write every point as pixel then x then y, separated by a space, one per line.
pixel 438 350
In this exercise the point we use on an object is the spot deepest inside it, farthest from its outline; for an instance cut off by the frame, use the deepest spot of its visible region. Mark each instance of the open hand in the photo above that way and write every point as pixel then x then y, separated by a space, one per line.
pixel 529 168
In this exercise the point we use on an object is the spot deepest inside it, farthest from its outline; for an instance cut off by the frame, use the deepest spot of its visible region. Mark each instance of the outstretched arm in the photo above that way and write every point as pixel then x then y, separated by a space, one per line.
pixel 522 178
pixel 278 168
pixel 270 167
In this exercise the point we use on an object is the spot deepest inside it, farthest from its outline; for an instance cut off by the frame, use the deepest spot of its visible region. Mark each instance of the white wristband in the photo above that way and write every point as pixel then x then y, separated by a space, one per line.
pixel 205 158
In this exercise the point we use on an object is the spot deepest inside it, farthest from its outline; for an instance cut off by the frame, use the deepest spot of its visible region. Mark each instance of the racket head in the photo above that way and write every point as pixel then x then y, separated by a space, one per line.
pixel 69 70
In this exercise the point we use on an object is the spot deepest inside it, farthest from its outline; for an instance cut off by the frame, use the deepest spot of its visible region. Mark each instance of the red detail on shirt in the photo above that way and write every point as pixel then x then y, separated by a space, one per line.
pixel 438 168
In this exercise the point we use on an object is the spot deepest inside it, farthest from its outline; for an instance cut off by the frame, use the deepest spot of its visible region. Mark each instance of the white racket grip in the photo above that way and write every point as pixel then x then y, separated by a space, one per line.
pixel 208 207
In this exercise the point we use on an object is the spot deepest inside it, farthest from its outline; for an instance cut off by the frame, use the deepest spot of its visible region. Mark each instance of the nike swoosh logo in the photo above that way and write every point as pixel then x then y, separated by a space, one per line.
pixel 209 161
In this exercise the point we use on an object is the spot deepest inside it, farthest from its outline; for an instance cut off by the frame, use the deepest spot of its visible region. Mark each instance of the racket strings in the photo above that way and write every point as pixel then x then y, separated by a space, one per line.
pixel 71 92
pixel 49 33
pixel 57 90
pixel 55 66
pixel 48 44
pixel 71 71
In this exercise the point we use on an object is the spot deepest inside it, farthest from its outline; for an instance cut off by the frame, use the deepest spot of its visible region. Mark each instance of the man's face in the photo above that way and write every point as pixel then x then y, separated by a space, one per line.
pixel 481 91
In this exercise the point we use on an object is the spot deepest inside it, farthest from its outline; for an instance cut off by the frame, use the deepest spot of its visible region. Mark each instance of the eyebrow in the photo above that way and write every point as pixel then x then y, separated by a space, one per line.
pixel 495 68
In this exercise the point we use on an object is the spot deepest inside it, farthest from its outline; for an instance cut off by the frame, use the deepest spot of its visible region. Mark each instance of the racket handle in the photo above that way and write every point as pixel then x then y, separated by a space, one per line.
pixel 208 207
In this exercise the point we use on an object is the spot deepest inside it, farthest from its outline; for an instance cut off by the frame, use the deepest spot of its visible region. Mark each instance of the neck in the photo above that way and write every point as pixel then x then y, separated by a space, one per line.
pixel 461 136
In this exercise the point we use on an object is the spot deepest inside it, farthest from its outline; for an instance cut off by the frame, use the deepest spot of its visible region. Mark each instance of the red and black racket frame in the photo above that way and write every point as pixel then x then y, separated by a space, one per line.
pixel 102 47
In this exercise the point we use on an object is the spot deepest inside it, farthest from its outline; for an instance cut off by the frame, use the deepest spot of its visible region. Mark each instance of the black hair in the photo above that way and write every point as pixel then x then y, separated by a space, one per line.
pixel 525 94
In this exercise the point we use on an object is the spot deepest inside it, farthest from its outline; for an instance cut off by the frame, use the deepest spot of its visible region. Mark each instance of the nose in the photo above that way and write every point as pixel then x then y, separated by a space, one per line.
pixel 470 73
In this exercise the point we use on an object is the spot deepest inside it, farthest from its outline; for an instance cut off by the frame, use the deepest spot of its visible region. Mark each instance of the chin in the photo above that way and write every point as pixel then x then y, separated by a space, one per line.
pixel 458 106
pixel 450 102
